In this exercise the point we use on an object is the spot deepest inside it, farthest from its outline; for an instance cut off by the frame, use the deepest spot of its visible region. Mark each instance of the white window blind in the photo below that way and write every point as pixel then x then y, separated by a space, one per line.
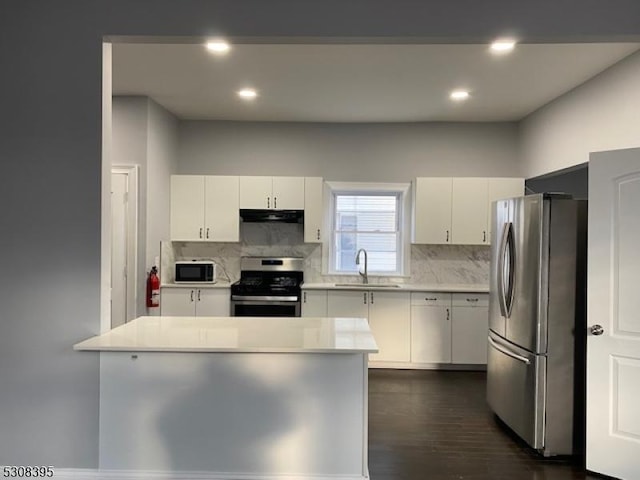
pixel 369 221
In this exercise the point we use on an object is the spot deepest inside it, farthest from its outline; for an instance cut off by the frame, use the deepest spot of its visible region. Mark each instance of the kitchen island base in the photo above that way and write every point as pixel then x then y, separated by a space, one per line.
pixel 234 415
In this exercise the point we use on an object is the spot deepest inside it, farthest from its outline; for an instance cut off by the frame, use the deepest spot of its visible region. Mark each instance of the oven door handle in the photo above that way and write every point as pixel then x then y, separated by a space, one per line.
pixel 264 298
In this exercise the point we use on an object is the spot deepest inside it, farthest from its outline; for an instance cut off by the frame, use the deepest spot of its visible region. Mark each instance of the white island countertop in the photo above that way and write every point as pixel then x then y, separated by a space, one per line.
pixel 237 334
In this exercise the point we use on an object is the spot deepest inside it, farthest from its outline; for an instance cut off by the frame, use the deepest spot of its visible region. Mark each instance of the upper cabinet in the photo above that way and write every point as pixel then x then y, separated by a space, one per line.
pixel 205 208
pixel 458 210
pixel 313 208
pixel 272 193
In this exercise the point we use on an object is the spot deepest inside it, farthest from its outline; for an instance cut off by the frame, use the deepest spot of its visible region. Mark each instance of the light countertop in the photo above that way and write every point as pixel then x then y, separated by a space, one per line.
pixel 237 334
pixel 404 287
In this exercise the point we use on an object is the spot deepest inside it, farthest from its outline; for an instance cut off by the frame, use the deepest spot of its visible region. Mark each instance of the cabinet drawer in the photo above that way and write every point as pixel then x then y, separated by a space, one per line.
pixel 431 298
pixel 470 299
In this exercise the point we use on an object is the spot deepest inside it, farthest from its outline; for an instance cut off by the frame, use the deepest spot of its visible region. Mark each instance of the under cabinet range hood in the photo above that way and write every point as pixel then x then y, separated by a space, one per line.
pixel 265 216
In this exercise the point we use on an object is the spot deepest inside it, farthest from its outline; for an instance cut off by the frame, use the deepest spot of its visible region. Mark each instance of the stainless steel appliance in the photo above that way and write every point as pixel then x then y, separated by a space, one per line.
pixel 536 319
pixel 268 287
pixel 195 271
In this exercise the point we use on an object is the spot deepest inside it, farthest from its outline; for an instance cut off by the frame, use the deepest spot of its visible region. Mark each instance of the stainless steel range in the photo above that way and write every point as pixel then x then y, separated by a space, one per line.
pixel 268 287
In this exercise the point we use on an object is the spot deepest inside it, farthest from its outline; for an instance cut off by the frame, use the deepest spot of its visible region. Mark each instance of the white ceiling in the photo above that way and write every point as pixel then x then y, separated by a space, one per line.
pixel 357 83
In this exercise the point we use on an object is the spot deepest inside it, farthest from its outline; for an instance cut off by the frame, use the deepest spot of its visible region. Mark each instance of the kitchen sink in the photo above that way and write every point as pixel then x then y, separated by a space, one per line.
pixel 368 285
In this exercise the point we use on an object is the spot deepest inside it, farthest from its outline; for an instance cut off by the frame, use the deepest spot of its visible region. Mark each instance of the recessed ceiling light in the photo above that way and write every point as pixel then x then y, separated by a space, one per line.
pixel 503 45
pixel 218 46
pixel 247 93
pixel 459 95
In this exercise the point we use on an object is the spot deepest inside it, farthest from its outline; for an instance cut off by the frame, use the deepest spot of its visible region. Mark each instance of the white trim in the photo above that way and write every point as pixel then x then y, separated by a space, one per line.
pixel 404 222
pixel 132 173
pixel 91 474
pixel 105 193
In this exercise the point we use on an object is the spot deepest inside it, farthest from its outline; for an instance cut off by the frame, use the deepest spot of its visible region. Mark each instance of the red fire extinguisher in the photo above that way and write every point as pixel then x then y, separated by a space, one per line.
pixel 153 288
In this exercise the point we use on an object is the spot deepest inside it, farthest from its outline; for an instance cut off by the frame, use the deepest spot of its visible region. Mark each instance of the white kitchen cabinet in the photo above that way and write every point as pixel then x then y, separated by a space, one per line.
pixel 388 314
pixel 430 328
pixel 469 211
pixel 390 322
pixel 469 328
pixel 199 302
pixel 205 208
pixel 432 210
pixel 314 303
pixel 272 193
pixel 500 188
pixel 313 209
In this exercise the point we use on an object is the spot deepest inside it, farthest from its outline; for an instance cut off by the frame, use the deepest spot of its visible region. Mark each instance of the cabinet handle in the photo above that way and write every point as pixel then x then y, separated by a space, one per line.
pixel 192 295
pixel 198 295
pixel 484 236
pixel 268 203
pixel 318 234
pixel 200 232
pixel 275 202
pixel 448 314
pixel 304 297
pixel 207 232
pixel 371 298
pixel 431 299
pixel 472 299
pixel 365 298
pixel 447 236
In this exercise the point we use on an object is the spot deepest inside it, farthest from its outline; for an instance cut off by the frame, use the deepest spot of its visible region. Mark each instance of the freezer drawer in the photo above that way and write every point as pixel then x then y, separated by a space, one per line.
pixel 515 389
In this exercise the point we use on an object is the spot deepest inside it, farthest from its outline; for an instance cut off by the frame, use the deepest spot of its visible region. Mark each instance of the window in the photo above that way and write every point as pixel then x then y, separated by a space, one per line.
pixel 370 218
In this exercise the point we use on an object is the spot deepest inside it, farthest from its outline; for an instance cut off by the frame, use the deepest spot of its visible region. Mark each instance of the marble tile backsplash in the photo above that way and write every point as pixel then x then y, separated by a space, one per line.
pixel 451 264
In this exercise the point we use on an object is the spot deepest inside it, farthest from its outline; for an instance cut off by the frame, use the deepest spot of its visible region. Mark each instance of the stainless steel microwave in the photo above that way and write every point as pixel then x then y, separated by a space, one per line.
pixel 195 271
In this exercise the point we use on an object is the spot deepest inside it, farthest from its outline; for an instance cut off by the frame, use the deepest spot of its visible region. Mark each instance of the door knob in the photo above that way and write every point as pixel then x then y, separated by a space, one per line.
pixel 597 330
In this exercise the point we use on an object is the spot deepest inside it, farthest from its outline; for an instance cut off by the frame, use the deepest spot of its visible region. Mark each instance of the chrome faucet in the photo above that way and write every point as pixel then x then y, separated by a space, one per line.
pixel 365 278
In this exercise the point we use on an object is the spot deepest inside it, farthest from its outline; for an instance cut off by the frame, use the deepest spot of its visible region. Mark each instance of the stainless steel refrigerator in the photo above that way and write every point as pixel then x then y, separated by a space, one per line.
pixel 536 316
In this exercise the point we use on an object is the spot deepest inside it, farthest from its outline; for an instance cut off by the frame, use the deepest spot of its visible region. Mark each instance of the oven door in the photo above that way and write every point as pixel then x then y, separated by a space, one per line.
pixel 248 306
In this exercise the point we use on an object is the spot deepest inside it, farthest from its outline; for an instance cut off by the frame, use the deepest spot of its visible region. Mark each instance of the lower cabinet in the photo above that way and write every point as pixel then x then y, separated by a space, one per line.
pixel 200 302
pixel 430 327
pixel 389 315
pixel 469 328
pixel 314 303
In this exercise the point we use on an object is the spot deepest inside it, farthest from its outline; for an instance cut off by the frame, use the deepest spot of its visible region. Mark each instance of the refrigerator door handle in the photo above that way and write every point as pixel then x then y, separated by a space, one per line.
pixel 510 245
pixel 508 353
pixel 501 253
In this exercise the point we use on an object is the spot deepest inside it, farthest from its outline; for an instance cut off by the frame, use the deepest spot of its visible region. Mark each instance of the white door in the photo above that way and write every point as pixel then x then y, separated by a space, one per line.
pixel 314 303
pixel 119 236
pixel 348 303
pixel 222 202
pixel 178 302
pixel 390 322
pixel 430 327
pixel 213 302
pixel 313 193
pixel 432 222
pixel 469 328
pixel 613 338
pixel 255 193
pixel 187 207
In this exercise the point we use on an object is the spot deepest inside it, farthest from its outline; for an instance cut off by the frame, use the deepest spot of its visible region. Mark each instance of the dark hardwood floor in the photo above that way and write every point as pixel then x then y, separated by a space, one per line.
pixel 435 425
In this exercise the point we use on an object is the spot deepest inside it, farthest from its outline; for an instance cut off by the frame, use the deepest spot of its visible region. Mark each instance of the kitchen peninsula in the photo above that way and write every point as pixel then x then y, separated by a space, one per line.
pixel 247 397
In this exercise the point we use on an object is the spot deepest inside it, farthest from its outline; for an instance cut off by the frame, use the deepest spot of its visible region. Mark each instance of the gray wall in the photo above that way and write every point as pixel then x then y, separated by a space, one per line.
pixel 50 149
pixel 601 114
pixel 390 152
pixel 145 134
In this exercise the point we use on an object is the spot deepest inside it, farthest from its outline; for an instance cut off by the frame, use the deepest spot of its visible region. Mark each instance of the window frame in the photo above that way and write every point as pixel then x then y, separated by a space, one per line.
pixel 401 190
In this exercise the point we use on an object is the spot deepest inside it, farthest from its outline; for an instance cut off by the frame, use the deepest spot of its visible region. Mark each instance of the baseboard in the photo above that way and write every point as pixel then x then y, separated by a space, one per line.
pixel 89 474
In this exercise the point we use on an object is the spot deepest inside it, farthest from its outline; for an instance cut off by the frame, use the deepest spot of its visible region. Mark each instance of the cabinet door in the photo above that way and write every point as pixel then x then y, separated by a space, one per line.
pixel 469 328
pixel 341 303
pixel 390 322
pixel 500 188
pixel 288 193
pixel 178 302
pixel 432 211
pixel 187 207
pixel 313 203
pixel 469 211
pixel 213 302
pixel 314 303
pixel 430 334
pixel 222 202
pixel 255 192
